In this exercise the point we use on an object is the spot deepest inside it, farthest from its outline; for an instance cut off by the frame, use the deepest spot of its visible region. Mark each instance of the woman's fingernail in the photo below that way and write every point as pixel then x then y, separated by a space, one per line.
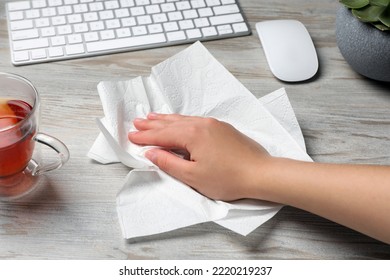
pixel 131 135
pixel 151 155
pixel 152 115
pixel 137 120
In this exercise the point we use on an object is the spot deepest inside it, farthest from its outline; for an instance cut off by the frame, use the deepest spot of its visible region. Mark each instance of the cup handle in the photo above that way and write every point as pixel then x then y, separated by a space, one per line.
pixel 56 145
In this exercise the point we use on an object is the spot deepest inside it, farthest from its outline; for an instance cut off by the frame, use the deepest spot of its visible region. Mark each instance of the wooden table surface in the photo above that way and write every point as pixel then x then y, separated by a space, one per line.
pixel 344 118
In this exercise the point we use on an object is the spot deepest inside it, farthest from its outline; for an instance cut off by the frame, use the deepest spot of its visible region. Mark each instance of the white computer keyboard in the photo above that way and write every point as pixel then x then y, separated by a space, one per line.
pixel 48 30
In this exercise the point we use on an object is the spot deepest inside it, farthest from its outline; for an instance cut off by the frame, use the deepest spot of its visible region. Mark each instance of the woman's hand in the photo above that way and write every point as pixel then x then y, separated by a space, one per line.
pixel 225 164
pixel 222 163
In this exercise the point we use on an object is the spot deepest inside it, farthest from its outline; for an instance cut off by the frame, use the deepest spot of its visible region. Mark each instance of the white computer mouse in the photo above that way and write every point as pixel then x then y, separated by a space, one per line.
pixel 289 49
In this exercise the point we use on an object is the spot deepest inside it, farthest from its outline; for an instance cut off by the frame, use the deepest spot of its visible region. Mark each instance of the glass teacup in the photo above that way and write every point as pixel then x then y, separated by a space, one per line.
pixel 19 124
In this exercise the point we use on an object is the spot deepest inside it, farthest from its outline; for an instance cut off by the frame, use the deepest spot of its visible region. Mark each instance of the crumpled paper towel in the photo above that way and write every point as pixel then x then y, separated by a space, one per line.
pixel 191 82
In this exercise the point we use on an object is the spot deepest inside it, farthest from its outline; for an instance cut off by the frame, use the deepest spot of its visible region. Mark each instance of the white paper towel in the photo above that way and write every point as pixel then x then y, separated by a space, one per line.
pixel 192 82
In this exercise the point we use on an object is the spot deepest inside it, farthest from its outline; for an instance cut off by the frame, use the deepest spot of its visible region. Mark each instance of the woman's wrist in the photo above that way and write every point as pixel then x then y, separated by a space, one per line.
pixel 272 180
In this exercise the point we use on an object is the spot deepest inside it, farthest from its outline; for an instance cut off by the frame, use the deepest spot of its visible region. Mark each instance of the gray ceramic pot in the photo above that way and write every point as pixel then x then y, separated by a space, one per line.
pixel 365 48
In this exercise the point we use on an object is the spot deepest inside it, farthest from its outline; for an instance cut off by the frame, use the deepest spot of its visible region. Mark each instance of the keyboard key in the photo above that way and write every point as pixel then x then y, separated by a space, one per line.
pixel 171 26
pixel 157 18
pixel 107 34
pixel 64 10
pixel 186 24
pixel 39 4
pixel 16 15
pixel 56 52
pixel 126 42
pixel 183 5
pixel 57 41
pixel 153 9
pixel 76 18
pixel 80 8
pixel 120 13
pixel 201 22
pixel 91 36
pixel 30 44
pixel 112 23
pixel 188 14
pixel 213 3
pixel 92 16
pixel 233 18
pixel 16 6
pixel 142 2
pixel 106 14
pixel 38 54
pixel 80 28
pixel 74 49
pixel 155 28
pixel 193 33
pixel 128 22
pixel 168 7
pixel 206 12
pixel 139 30
pixel 21 56
pixel 123 32
pixel 64 29
pixel 49 12
pixel 224 29
pixel 228 9
pixel 74 38
pixel 176 36
pixel 58 20
pixel 48 31
pixel 54 3
pixel 209 31
pixel 96 25
pixel 127 3
pixel 137 11
pixel 96 6
pixel 22 24
pixel 32 14
pixel 110 5
pixel 42 22
pixel 240 27
pixel 144 20
pixel 174 16
pixel 25 34
pixel 198 4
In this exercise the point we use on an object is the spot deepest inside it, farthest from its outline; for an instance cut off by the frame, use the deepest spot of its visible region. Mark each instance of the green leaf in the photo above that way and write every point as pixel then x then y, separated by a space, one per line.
pixel 385 17
pixel 380 26
pixel 355 4
pixel 382 3
pixel 369 13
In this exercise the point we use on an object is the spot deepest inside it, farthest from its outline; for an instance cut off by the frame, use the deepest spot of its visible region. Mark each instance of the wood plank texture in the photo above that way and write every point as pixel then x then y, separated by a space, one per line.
pixel 344 118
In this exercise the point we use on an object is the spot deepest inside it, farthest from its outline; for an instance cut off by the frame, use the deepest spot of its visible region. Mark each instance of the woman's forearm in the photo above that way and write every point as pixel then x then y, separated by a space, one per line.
pixel 357 196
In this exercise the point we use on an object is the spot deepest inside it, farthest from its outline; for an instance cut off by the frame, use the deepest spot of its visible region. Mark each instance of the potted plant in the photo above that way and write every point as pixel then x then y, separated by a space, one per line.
pixel 363 36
